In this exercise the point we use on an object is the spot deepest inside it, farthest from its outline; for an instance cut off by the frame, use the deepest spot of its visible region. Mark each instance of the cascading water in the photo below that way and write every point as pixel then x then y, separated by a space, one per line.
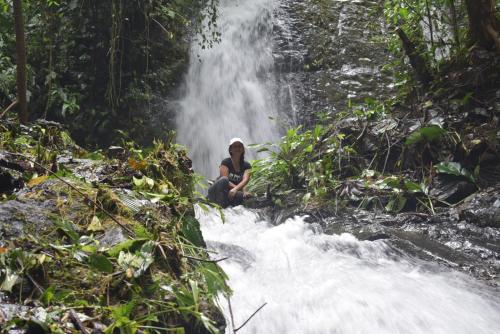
pixel 228 86
pixel 312 283
pixel 316 284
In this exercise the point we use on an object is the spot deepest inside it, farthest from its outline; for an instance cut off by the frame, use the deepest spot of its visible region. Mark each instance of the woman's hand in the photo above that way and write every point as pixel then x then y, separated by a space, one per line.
pixel 232 193
pixel 246 195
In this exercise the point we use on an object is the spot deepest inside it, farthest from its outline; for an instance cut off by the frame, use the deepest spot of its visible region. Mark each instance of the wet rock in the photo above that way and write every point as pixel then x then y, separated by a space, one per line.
pixel 89 170
pixel 234 253
pixel 482 209
pixel 451 189
pixel 13 162
pixel 115 151
pixel 9 311
pixel 28 216
pixel 258 202
pixel 325 55
pixel 8 182
pixel 466 237
pixel 112 237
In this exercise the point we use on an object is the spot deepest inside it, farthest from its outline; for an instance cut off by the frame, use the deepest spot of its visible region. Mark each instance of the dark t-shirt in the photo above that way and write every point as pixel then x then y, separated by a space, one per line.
pixel 234 176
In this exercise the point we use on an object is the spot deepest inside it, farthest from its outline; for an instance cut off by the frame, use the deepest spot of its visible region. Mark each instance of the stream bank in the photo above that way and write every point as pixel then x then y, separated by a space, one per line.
pixel 100 242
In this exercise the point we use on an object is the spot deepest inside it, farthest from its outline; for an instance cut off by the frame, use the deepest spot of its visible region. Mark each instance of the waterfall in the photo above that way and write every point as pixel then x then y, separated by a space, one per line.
pixel 228 86
pixel 317 284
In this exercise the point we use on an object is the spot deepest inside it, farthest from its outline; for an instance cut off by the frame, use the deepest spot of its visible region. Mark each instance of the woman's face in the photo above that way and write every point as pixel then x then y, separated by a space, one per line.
pixel 237 149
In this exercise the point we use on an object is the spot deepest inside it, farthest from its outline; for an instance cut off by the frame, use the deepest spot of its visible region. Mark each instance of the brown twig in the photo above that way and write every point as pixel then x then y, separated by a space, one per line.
pixel 204 260
pixel 95 204
pixel 253 314
pixel 77 322
pixel 8 108
pixel 230 312
pixel 35 283
pixel 362 133
pixel 388 152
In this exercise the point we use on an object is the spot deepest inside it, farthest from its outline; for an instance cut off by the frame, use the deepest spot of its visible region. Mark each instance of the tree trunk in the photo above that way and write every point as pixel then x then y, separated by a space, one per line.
pixel 417 62
pixel 21 61
pixel 454 22
pixel 483 24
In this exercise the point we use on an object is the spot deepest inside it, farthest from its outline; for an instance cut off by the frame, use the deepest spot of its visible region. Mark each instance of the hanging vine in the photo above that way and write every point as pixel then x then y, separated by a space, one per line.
pixel 114 81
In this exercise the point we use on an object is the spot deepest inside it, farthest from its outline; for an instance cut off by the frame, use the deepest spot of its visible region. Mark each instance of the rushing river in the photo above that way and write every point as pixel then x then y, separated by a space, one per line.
pixel 317 284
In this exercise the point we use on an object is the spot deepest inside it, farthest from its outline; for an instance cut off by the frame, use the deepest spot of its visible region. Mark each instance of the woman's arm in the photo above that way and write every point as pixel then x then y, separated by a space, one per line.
pixel 241 185
pixel 224 171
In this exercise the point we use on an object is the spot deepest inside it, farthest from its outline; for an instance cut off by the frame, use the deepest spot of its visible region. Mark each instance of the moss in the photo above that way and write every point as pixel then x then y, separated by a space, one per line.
pixel 112 203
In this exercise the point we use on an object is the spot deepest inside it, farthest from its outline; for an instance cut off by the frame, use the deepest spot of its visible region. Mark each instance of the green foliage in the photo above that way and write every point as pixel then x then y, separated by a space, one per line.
pixel 456 169
pixel 436 25
pixel 101 263
pixel 101 66
pixel 15 263
pixel 426 134
pixel 121 316
pixel 192 232
pixel 437 28
pixel 301 160
pixel 144 282
pixel 371 109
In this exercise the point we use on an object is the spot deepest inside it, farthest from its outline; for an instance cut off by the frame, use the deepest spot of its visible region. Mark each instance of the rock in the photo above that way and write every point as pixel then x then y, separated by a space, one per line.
pixel 8 182
pixel 320 66
pixel 115 151
pixel 482 209
pixel 451 189
pixel 19 217
pixel 112 237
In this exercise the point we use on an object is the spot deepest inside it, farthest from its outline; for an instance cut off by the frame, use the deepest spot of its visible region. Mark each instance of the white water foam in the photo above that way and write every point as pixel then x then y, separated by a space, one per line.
pixel 315 283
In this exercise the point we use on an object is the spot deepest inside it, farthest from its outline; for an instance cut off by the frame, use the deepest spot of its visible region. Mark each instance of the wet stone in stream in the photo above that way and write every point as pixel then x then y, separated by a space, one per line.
pixel 327 53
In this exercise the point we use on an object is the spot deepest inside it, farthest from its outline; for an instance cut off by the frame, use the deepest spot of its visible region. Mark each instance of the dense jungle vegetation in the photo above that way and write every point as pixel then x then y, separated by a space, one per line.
pixel 101 66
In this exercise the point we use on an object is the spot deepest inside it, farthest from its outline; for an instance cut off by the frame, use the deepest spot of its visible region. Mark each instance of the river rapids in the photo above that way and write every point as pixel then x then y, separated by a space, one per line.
pixel 317 284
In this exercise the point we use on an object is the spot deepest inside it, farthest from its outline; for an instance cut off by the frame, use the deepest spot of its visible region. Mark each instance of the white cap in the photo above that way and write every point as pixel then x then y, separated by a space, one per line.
pixel 236 140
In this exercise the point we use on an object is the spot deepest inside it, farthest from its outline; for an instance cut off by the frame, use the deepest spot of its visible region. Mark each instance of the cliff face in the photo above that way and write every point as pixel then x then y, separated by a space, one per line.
pixel 328 53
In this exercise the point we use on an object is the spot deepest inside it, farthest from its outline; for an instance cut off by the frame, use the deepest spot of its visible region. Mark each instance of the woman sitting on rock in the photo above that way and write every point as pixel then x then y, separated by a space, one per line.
pixel 229 189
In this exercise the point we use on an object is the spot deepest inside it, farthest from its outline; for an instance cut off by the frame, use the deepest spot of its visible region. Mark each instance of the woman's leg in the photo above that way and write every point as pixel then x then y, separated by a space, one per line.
pixel 218 192
pixel 237 199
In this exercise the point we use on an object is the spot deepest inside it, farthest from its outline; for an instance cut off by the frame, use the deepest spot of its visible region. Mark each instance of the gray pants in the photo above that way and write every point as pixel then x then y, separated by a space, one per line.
pixel 219 193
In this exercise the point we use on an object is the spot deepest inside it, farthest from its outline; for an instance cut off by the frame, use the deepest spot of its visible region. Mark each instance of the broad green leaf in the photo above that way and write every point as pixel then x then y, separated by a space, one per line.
pixel 191 231
pixel 11 279
pixel 403 12
pixel 101 263
pixel 413 186
pixel 396 204
pixel 393 182
pixel 306 198
pixel 215 278
pixel 149 182
pixel 68 228
pixel 138 182
pixel 130 244
pixel 454 168
pixel 48 295
pixel 95 225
